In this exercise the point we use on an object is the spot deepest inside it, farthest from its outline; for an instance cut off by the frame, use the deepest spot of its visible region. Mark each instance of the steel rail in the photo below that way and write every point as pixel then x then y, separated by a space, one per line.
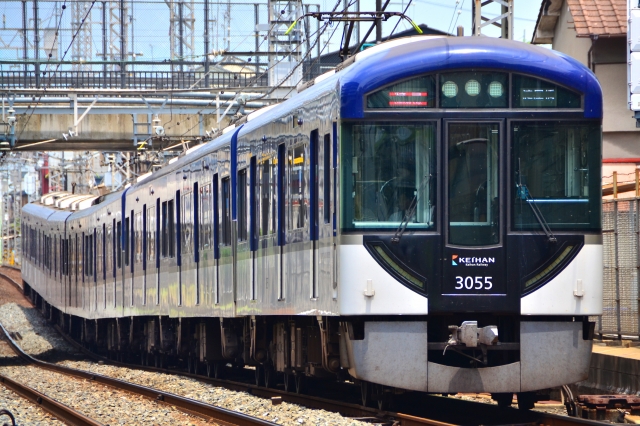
pixel 190 406
pixel 67 414
pixel 346 409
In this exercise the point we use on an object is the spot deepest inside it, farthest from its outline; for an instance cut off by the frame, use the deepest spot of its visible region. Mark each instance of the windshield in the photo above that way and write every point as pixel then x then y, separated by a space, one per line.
pixel 384 167
pixel 556 166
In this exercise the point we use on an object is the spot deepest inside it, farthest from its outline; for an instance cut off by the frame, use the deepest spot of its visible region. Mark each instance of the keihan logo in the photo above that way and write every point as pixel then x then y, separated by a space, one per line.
pixel 471 261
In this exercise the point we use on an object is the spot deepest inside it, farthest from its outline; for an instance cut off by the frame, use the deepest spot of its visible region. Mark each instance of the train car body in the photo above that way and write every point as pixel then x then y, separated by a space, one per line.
pixel 426 217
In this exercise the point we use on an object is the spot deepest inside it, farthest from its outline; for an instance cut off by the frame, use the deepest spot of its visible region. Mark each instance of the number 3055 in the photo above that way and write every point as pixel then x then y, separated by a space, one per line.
pixel 474 283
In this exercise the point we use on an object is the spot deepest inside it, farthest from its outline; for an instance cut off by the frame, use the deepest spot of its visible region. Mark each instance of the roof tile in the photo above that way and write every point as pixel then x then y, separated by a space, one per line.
pixel 599 17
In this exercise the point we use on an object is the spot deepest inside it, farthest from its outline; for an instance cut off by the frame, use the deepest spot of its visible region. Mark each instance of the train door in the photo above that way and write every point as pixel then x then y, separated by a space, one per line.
pixel 151 254
pixel 205 259
pixel 138 264
pixel 267 254
pixel 324 251
pixel 188 268
pixel 168 263
pixel 473 224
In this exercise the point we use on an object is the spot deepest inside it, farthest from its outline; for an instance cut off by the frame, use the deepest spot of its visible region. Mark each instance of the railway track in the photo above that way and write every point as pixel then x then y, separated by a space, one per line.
pixel 481 413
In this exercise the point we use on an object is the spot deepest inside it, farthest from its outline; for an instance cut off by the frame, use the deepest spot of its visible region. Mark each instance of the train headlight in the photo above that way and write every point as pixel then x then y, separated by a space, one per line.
pixel 450 89
pixel 496 89
pixel 472 87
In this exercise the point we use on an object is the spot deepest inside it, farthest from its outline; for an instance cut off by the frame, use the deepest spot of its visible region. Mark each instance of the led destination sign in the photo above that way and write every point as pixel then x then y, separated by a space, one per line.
pixel 538 97
pixel 407 101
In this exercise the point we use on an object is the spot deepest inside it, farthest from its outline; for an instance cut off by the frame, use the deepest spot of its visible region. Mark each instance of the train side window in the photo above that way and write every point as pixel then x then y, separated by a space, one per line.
pixel 242 205
pixel 267 201
pixel 186 224
pixel 216 217
pixel 326 180
pixel 138 237
pixel 91 255
pixel 205 206
pixel 158 232
pixel 225 236
pixel 101 252
pixel 171 227
pixel 119 244
pixel 165 227
pixel 195 222
pixel 297 187
pixel 151 234
pixel 81 256
pixel 127 241
pixel 109 250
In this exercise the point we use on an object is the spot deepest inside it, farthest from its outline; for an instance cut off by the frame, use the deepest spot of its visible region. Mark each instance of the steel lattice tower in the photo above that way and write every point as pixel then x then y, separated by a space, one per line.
pixel 285 69
pixel 82 45
pixel 182 33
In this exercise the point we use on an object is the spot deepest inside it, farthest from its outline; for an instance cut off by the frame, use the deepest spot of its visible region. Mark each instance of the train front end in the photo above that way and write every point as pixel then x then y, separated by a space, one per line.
pixel 470 216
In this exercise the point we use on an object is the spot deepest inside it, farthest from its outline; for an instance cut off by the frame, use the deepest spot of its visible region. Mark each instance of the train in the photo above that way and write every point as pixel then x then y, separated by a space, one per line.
pixel 425 217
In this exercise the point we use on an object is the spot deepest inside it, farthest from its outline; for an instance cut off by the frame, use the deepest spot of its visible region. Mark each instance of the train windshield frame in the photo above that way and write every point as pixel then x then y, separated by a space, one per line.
pixel 388 185
pixel 390 163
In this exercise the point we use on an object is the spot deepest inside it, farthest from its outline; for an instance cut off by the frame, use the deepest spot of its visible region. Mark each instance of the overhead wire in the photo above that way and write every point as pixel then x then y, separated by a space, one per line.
pixel 398 23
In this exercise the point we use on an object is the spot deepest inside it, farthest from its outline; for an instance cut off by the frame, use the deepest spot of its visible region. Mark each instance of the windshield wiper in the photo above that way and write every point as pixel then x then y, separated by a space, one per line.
pixel 524 194
pixel 409 212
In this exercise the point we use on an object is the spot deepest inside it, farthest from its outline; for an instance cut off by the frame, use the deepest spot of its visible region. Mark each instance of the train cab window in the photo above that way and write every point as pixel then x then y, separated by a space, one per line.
pixel 474 89
pixel 556 171
pixel 242 205
pixel 298 163
pixel 268 193
pixel 415 93
pixel 388 176
pixel 529 92
pixel 205 205
pixel 225 231
pixel 473 191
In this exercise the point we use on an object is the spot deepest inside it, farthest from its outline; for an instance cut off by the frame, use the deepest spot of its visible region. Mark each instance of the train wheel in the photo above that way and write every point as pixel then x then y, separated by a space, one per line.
pixel 259 374
pixel 526 400
pixel 287 382
pixel 218 369
pixel 299 380
pixel 365 393
pixel 503 399
pixel 268 376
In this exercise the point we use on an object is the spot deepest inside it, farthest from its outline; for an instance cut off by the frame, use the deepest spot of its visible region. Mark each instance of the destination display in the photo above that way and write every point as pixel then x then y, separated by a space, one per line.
pixel 410 99
pixel 538 97
pixel 415 93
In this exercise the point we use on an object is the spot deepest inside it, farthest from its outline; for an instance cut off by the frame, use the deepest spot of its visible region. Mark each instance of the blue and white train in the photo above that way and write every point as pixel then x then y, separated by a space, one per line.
pixel 425 217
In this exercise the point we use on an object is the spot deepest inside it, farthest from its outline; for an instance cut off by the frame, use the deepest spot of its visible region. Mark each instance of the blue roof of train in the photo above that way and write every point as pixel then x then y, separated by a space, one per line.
pixel 450 53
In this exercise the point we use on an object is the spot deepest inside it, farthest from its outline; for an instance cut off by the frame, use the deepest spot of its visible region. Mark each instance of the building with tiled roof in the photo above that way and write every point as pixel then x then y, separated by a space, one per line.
pixel 595 33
